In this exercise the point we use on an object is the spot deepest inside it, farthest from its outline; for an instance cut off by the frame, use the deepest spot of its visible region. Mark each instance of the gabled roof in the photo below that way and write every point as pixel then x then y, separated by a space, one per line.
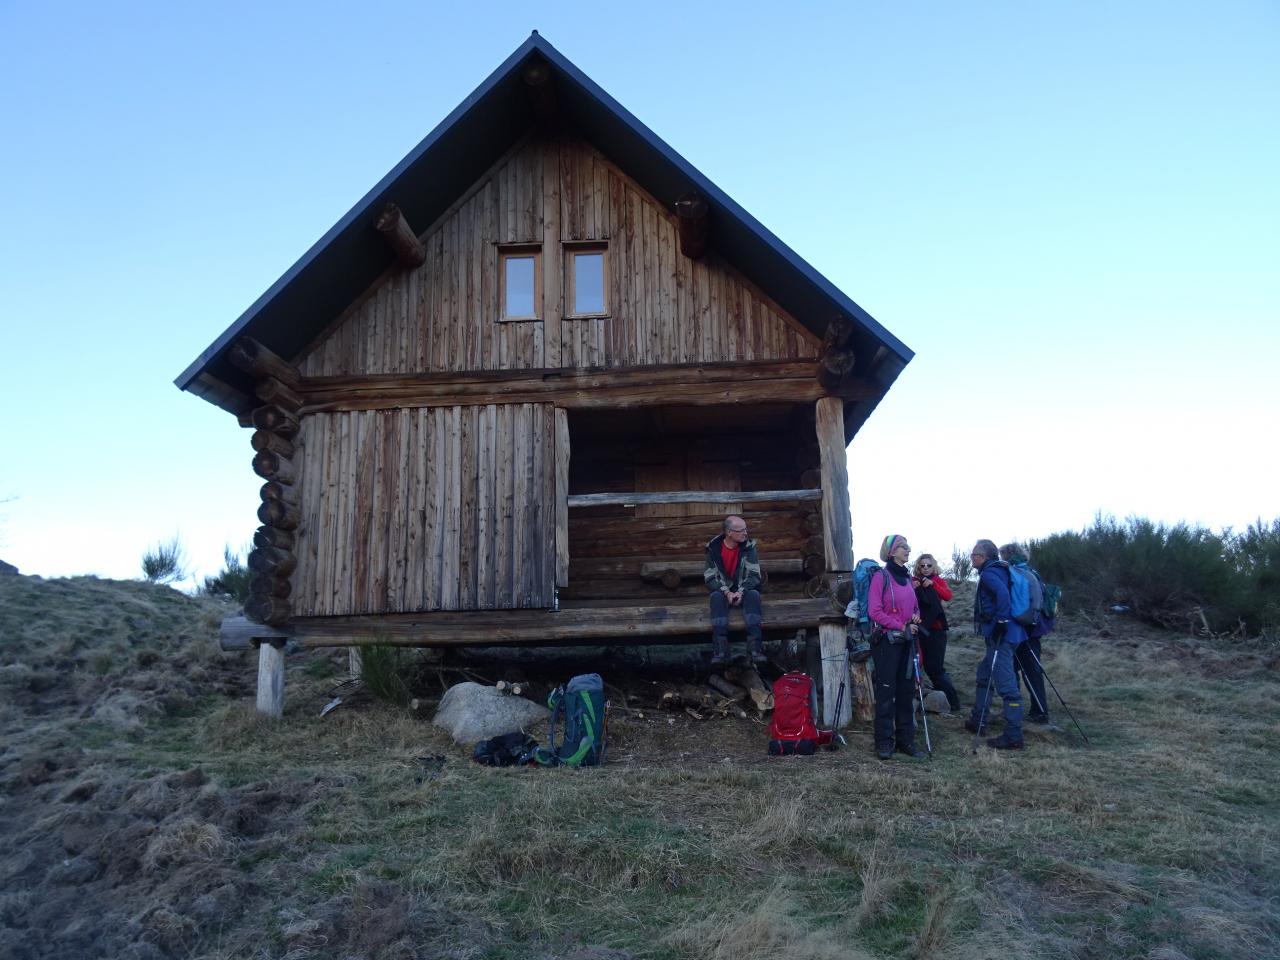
pixel 341 266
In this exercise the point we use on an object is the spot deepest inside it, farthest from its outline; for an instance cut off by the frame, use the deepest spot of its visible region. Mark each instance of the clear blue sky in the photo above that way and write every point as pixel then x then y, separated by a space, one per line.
pixel 1070 211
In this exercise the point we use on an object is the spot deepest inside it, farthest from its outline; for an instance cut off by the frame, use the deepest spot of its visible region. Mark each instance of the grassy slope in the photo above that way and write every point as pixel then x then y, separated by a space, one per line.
pixel 146 808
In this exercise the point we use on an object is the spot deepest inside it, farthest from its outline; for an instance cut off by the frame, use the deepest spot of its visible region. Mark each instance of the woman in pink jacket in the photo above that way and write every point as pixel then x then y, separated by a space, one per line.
pixel 894 613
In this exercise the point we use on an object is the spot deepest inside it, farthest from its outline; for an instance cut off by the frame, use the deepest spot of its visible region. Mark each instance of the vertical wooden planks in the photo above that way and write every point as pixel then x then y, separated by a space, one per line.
pixel 561 449
pixel 553 304
pixel 835 670
pixel 485 508
pixel 503 501
pixel 468 525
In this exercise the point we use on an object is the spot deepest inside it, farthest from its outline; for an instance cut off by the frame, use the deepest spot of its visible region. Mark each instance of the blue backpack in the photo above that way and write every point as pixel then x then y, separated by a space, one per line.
pixel 1026 594
pixel 581 703
pixel 862 574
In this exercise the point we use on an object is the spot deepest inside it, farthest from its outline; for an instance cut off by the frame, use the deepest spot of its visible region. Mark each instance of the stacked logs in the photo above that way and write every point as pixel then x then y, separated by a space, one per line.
pixel 275 428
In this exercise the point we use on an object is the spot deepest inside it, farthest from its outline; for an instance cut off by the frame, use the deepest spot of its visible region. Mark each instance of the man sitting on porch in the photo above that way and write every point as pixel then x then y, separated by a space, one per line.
pixel 732 574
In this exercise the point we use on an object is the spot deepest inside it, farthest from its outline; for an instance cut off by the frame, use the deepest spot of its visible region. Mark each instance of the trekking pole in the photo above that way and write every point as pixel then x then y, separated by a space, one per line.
pixel 836 737
pixel 915 660
pixel 986 705
pixel 1060 700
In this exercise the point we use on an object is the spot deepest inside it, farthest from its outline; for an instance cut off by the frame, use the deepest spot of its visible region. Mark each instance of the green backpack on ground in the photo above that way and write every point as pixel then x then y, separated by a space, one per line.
pixel 581 703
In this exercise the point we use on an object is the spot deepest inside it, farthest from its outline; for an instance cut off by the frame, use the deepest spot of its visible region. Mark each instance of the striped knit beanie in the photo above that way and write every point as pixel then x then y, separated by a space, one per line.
pixel 886 548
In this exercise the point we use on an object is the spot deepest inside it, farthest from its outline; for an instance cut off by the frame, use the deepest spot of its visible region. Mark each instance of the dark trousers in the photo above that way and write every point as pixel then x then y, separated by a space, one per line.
pixel 1006 686
pixel 934 651
pixel 895 687
pixel 751 612
pixel 1029 667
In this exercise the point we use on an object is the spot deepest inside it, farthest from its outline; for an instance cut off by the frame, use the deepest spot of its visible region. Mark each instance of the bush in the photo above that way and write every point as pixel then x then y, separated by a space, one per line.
pixel 961 565
pixel 385 671
pixel 232 581
pixel 1180 576
pixel 165 562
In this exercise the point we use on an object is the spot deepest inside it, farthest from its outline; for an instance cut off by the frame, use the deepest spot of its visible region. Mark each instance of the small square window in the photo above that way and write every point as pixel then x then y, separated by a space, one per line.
pixel 585 281
pixel 520 283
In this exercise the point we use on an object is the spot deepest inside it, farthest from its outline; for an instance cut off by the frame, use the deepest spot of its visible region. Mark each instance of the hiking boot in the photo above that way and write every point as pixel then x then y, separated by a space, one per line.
pixel 910 749
pixel 972 726
pixel 884 751
pixel 719 660
pixel 1003 742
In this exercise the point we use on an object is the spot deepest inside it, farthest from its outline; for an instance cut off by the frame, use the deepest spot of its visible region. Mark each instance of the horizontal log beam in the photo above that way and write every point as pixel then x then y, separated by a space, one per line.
pixel 272 466
pixel 395 230
pixel 269 536
pixel 791 381
pixel 280 514
pixel 692 569
pixel 690 496
pixel 276 419
pixel 277 393
pixel 267 440
pixel 241 633
pixel 577 625
pixel 256 360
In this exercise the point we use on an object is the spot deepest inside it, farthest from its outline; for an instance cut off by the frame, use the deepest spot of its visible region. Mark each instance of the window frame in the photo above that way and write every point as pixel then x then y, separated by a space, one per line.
pixel 571 251
pixel 519 251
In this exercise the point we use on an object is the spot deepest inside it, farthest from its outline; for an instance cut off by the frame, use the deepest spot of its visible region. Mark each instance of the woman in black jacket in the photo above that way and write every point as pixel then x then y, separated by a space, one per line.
pixel 931 591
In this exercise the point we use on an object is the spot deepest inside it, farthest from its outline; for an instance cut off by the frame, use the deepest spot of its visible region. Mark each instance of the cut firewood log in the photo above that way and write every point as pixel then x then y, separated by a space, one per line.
pixel 749 679
pixel 730 690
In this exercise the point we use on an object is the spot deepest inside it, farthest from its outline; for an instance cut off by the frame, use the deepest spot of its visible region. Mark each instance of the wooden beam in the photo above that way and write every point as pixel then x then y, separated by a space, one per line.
pixel 268 609
pixel 269 536
pixel 837 528
pixel 562 496
pixel 271 679
pixel 691 496
pixel 276 419
pixel 790 381
pixel 256 360
pixel 268 440
pixel 280 514
pixel 272 466
pixel 241 633
pixel 692 569
pixel 400 237
pixel 277 393
pixel 835 670
pixel 694 220
pixel 568 625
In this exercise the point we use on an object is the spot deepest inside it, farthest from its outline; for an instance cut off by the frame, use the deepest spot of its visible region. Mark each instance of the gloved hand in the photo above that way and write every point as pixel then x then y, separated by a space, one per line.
pixel 999 630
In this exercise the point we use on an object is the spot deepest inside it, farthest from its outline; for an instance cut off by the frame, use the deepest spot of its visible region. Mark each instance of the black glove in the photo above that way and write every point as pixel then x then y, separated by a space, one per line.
pixel 999 630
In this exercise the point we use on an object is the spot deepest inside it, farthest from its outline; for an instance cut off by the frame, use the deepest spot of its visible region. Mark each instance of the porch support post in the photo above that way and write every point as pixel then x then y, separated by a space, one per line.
pixel 837 527
pixel 271 678
pixel 831 637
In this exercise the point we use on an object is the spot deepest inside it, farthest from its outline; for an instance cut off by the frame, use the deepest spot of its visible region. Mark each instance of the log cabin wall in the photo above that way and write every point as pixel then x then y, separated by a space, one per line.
pixel 446 508
pixel 663 307
pixel 616 553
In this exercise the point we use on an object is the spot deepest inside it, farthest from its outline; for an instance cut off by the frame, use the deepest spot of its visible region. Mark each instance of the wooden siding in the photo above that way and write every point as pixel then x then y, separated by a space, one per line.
pixel 444 508
pixel 665 308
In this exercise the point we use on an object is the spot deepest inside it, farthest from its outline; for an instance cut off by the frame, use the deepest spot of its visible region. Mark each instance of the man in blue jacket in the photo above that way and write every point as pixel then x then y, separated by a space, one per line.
pixel 992 617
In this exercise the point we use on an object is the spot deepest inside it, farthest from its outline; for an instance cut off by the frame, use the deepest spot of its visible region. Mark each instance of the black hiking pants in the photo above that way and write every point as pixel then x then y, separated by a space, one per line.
pixel 895 687
pixel 1033 676
pixel 934 650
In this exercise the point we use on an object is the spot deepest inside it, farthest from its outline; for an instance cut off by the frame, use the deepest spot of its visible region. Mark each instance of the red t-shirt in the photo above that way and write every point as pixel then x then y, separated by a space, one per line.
pixel 729 557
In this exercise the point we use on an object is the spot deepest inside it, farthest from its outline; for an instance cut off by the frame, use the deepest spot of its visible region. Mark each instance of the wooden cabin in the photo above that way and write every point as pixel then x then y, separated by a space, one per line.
pixel 511 395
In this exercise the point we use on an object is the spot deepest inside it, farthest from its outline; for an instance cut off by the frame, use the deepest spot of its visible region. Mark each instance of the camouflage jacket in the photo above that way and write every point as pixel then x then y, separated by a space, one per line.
pixel 745 577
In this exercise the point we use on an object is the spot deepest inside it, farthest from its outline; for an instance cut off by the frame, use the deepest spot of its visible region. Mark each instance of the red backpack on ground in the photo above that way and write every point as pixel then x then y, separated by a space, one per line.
pixel 793 729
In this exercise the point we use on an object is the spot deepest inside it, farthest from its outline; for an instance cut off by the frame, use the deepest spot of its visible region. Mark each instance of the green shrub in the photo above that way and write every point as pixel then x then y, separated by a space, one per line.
pixel 961 565
pixel 165 562
pixel 232 581
pixel 386 670
pixel 1178 575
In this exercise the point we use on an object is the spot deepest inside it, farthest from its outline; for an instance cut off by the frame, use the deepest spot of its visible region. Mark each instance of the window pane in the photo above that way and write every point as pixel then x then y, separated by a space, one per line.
pixel 519 286
pixel 588 283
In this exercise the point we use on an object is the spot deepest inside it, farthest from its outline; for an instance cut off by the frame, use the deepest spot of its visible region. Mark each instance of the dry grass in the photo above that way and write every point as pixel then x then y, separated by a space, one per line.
pixel 1159 841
